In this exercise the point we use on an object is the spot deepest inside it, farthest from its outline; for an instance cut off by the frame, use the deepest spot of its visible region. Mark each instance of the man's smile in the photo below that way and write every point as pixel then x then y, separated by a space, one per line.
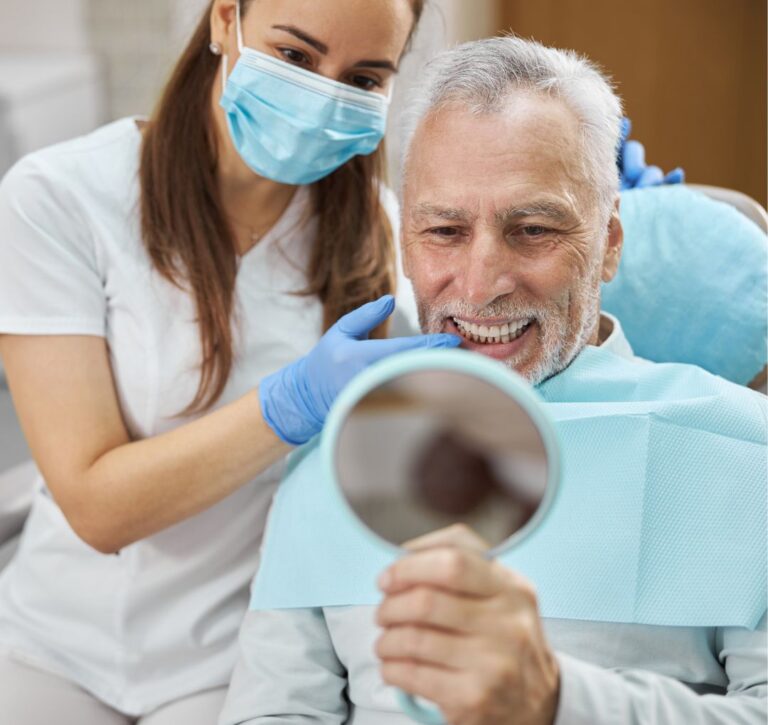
pixel 499 339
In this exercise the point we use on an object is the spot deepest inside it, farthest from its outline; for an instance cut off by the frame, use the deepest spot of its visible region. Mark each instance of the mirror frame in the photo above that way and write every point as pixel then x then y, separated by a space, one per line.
pixel 461 361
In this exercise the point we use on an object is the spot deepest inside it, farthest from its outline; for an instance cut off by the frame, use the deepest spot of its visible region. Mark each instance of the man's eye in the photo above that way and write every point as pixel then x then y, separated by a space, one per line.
pixel 534 230
pixel 364 82
pixel 294 56
pixel 444 231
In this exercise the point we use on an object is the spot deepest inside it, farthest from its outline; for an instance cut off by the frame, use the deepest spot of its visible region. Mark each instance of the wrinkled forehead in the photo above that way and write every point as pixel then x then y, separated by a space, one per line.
pixel 529 147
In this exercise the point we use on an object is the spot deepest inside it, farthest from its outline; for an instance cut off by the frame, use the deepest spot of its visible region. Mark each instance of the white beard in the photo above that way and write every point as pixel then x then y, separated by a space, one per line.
pixel 560 338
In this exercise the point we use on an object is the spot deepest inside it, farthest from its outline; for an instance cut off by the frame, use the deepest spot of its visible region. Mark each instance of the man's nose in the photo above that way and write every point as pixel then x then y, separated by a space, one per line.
pixel 489 271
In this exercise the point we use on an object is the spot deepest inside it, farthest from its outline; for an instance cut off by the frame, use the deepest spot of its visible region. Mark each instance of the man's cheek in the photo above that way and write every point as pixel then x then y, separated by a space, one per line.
pixel 420 258
pixel 423 275
pixel 438 266
pixel 550 277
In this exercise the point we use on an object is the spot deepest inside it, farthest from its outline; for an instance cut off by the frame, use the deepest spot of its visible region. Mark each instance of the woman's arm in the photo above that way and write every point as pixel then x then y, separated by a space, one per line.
pixel 112 490
pixel 115 491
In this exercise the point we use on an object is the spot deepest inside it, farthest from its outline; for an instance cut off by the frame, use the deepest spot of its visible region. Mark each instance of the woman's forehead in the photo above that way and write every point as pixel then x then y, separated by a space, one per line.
pixel 361 29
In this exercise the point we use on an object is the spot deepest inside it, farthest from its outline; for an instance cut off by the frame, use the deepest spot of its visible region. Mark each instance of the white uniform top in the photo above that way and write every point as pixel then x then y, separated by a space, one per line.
pixel 158 620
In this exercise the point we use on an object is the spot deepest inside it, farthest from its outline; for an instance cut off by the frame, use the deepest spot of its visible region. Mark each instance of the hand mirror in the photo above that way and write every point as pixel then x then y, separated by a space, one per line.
pixel 429 439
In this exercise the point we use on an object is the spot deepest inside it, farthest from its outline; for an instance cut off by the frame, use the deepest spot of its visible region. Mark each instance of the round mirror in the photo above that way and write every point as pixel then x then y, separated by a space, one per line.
pixel 426 440
pixel 430 448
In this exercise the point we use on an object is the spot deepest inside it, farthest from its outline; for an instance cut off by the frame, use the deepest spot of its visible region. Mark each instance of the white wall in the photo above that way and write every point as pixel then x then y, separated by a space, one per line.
pixel 132 38
pixel 445 23
pixel 184 16
pixel 138 40
pixel 135 41
pixel 471 19
pixel 43 25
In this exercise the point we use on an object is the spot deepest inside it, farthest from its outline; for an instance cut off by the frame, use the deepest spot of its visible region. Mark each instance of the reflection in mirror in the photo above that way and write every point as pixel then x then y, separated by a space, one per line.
pixel 433 448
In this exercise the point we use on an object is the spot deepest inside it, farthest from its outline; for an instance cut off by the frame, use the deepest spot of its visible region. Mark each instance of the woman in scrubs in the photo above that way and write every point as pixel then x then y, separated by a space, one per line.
pixel 163 290
pixel 158 282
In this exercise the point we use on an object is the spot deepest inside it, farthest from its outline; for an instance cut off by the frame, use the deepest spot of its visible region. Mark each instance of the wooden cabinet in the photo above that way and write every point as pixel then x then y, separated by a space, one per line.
pixel 692 74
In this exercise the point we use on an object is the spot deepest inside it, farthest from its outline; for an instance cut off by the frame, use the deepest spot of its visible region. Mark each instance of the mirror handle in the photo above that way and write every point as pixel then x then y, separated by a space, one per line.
pixel 429 715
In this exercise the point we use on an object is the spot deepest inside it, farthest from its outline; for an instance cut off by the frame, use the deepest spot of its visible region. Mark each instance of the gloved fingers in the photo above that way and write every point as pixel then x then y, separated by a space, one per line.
pixel 651 176
pixel 632 162
pixel 365 318
pixel 378 349
pixel 676 176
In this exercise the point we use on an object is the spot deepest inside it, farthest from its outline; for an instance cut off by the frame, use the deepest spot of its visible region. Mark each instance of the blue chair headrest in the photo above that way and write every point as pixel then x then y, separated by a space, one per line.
pixel 691 286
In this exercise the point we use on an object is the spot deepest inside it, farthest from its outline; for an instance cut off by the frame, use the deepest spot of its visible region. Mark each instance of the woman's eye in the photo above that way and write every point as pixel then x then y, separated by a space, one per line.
pixel 294 56
pixel 364 82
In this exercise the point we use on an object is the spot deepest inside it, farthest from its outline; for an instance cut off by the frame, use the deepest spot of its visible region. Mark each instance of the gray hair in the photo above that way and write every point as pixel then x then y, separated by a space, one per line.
pixel 483 74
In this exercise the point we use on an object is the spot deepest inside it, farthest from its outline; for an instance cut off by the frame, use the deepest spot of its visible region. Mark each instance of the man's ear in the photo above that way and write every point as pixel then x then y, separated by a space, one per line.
pixel 613 249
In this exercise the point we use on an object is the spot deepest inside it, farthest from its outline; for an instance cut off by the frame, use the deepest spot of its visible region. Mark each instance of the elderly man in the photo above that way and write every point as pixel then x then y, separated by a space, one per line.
pixel 510 223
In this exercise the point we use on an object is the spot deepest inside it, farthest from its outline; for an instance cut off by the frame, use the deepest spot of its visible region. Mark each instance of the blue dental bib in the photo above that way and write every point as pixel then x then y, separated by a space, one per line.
pixel 660 517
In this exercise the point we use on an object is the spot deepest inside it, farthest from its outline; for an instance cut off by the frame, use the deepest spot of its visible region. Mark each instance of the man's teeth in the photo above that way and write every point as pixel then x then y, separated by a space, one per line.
pixel 491 333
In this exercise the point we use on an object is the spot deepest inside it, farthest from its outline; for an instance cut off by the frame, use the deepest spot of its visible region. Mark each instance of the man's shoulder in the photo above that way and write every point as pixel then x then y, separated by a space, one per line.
pixel 688 379
pixel 686 394
pixel 615 359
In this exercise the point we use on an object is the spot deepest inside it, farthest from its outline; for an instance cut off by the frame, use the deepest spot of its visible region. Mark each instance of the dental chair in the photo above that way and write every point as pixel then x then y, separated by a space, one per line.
pixel 692 282
pixel 680 296
pixel 754 211
pixel 745 204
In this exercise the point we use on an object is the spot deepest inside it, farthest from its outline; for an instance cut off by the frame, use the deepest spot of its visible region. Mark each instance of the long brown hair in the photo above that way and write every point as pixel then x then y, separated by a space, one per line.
pixel 192 244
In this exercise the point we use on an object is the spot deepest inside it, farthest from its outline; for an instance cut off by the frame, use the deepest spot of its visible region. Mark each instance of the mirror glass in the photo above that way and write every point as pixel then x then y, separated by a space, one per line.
pixel 432 448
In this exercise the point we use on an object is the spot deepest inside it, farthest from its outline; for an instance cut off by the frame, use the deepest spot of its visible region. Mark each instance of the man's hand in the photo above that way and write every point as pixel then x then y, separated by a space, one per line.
pixel 465 633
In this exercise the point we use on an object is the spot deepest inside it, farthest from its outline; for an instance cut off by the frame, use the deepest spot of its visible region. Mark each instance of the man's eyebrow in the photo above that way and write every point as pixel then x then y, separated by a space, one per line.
pixel 552 210
pixel 319 46
pixel 450 214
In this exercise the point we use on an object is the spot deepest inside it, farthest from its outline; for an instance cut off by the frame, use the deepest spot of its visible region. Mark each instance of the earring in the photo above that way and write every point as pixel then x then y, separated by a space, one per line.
pixel 215 48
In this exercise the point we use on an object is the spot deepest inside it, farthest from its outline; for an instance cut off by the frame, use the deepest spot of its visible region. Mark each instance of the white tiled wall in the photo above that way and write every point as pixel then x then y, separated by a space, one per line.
pixel 444 24
pixel 43 25
pixel 138 40
pixel 184 15
pixel 132 38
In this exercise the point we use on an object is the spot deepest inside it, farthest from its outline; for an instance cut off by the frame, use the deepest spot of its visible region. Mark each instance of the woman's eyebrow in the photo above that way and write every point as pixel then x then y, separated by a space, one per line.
pixel 319 46
pixel 385 64
pixel 322 48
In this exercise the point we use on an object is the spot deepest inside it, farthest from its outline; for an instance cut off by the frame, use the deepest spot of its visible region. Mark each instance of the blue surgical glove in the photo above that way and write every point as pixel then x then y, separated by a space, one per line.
pixel 295 400
pixel 635 173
